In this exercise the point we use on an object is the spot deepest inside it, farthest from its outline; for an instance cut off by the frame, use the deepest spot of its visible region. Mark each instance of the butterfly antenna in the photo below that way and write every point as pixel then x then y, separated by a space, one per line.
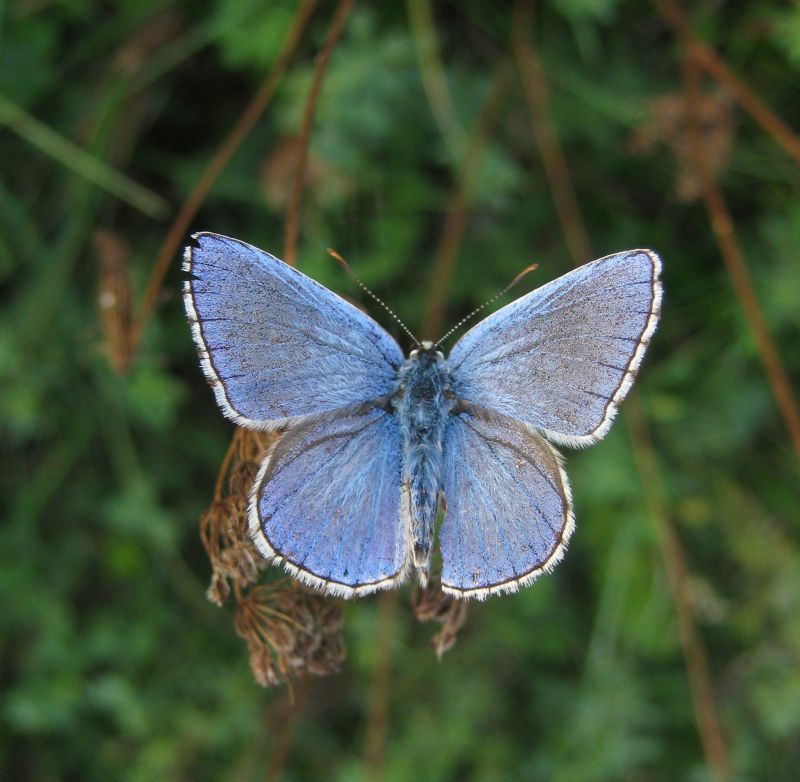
pixel 352 274
pixel 485 304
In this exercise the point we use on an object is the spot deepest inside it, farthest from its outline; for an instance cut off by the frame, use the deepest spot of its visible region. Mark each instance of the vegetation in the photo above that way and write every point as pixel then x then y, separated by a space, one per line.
pixel 440 147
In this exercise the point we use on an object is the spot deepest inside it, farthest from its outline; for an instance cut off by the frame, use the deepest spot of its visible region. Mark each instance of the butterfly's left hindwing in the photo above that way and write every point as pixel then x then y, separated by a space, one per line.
pixel 327 503
pixel 274 344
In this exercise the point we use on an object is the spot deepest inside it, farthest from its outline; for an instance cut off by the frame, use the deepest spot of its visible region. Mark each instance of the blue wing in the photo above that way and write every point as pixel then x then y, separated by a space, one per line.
pixel 563 357
pixel 327 503
pixel 273 343
pixel 509 508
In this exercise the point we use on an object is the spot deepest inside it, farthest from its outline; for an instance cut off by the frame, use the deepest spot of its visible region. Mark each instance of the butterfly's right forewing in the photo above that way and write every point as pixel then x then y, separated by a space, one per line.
pixel 274 344
pixel 563 357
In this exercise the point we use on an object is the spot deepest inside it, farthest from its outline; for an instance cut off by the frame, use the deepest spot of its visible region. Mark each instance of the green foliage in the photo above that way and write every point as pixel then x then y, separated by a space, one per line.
pixel 114 664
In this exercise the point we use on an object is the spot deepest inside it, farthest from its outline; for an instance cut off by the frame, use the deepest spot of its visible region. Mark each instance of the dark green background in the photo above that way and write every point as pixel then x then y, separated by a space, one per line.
pixel 112 663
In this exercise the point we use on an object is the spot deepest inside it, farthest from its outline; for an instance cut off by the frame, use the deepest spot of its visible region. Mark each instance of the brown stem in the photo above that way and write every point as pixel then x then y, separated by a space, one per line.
pixel 710 729
pixel 288 726
pixel 323 58
pixel 177 231
pixel 705 56
pixel 572 225
pixel 226 463
pixel 444 265
pixel 723 229
pixel 283 724
pixel 434 79
pixel 458 208
pixel 537 95
pixel 378 715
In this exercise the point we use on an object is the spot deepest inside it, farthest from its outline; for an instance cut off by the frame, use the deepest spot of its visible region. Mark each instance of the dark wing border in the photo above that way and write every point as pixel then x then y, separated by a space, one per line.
pixel 206 362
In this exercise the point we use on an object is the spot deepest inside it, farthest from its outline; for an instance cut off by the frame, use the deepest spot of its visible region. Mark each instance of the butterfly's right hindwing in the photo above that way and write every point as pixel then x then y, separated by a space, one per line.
pixel 509 508
pixel 276 345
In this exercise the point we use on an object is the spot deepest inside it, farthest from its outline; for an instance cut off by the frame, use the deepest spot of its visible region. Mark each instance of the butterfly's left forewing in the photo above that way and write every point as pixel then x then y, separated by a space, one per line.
pixel 327 502
pixel 276 345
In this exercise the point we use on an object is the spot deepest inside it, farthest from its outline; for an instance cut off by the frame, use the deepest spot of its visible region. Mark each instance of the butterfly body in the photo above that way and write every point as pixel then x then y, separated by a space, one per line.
pixel 423 405
pixel 346 500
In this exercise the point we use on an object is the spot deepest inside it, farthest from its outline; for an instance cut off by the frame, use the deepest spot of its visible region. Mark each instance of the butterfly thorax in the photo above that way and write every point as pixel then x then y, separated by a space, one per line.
pixel 423 402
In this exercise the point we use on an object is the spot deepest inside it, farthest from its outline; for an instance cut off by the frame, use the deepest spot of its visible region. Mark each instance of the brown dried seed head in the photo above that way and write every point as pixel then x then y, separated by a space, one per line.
pixel 289 631
pixel 242 478
pixel 263 666
pixel 668 122
pixel 433 605
pixel 445 639
pixel 429 604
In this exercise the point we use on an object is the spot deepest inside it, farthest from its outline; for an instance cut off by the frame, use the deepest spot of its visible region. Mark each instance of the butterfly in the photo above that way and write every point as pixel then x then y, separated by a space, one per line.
pixel 347 498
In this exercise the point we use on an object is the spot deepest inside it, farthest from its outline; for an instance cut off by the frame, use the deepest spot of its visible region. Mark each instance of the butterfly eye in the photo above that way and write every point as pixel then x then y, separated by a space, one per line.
pixel 413 354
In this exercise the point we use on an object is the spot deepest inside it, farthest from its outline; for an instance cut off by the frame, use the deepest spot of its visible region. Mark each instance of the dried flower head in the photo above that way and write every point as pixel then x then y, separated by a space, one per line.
pixel 223 527
pixel 289 630
pixel 433 605
pixel 668 122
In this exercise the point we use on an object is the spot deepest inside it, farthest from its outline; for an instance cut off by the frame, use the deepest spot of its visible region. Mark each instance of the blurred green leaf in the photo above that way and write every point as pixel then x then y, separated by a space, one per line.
pixel 114 665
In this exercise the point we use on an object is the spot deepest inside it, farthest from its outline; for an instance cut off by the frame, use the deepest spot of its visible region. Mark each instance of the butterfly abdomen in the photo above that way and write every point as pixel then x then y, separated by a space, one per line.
pixel 423 404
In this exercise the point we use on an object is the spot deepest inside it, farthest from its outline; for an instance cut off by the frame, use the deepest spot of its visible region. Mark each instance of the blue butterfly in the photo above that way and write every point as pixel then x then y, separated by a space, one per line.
pixel 347 498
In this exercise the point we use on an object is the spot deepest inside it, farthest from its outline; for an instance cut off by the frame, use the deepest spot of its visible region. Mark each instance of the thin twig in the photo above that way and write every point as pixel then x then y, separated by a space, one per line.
pixel 693 650
pixel 226 463
pixel 283 742
pixel 434 79
pixel 323 58
pixel 378 714
pixel 705 56
pixel 705 710
pixel 537 95
pixel 283 724
pixel 177 232
pixel 725 234
pixel 458 208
